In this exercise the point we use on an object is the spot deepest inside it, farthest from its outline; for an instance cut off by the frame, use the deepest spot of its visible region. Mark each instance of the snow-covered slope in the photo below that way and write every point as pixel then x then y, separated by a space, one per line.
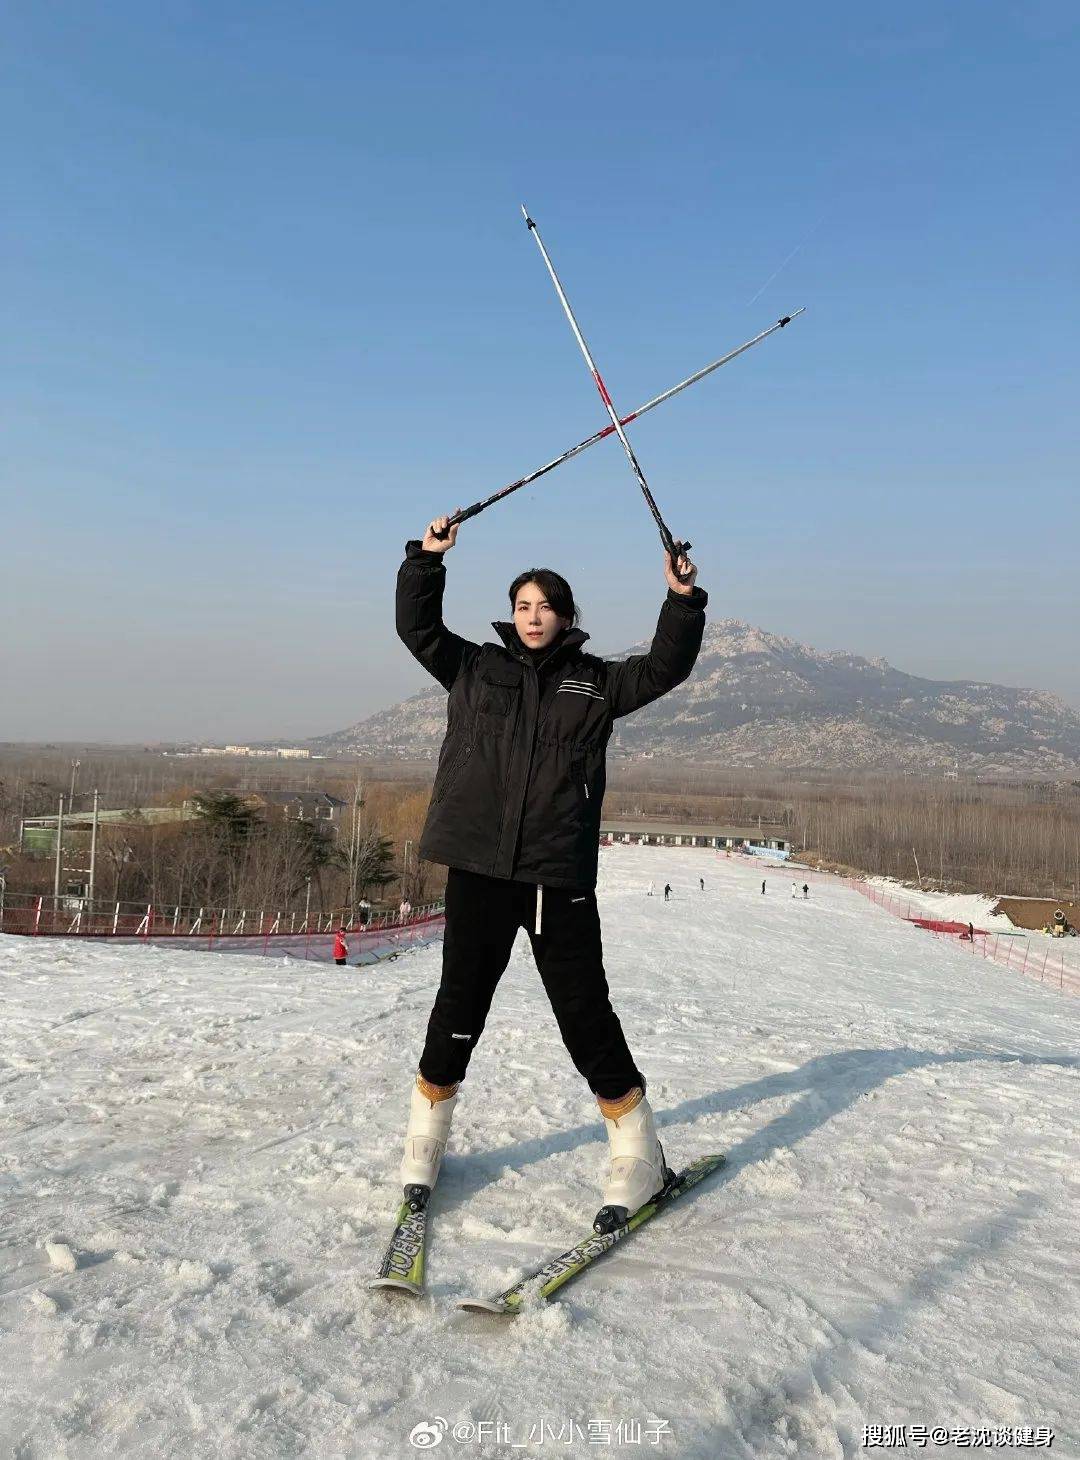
pixel 211 1142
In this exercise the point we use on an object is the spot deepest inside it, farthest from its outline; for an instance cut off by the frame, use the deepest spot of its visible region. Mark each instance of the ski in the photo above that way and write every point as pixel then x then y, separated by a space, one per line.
pixel 402 1267
pixel 553 1274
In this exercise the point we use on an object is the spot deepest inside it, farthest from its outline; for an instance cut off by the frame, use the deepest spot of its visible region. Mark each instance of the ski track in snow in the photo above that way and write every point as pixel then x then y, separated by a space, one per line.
pixel 210 1145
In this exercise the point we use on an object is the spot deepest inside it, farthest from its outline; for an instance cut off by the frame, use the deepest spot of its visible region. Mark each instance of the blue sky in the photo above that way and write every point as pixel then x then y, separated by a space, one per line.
pixel 271 306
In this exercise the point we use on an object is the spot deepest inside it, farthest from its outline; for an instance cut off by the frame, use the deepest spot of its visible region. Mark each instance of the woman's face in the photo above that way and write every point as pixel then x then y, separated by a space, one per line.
pixel 536 621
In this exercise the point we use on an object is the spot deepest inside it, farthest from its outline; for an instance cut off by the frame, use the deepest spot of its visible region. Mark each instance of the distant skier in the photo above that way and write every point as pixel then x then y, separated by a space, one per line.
pixel 806 889
pixel 515 816
pixel 341 948
pixel 701 881
pixel 652 889
pixel 763 889
pixel 404 910
pixel 667 891
pixel 794 889
pixel 363 912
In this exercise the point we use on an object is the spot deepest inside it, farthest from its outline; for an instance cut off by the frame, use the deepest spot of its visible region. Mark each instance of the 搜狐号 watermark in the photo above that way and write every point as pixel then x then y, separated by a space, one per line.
pixel 967 1437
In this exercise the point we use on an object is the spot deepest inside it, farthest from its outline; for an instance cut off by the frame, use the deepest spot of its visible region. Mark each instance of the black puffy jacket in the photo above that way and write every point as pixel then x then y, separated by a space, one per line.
pixel 521 774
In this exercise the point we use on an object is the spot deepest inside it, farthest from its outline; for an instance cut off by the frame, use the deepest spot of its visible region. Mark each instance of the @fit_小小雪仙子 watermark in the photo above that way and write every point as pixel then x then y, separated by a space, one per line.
pixel 430 1433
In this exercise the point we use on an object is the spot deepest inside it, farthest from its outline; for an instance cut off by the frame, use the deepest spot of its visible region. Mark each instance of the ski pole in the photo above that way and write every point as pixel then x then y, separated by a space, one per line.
pixel 657 400
pixel 675 550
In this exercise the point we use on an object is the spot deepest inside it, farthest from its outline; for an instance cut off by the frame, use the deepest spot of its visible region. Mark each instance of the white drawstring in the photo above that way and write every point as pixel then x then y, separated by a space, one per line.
pixel 539 908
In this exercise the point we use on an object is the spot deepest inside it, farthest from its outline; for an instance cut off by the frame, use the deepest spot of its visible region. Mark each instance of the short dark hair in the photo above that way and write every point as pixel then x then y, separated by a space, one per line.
pixel 555 589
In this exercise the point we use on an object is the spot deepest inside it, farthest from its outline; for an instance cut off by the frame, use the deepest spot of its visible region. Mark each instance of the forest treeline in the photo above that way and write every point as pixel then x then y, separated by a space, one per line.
pixel 229 851
pixel 1007 838
pixel 996 838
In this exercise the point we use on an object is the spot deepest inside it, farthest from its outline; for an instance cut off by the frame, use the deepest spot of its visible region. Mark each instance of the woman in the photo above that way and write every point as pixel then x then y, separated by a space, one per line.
pixel 515 816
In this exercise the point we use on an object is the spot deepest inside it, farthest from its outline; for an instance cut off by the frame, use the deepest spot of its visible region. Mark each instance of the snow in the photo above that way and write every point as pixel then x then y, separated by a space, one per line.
pixel 198 1170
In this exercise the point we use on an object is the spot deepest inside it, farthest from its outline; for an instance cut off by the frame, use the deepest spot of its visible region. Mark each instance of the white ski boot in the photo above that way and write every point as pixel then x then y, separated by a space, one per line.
pixel 638 1170
pixel 430 1114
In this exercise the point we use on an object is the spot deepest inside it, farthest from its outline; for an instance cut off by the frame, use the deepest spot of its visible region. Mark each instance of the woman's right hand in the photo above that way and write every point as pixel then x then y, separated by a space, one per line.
pixel 433 544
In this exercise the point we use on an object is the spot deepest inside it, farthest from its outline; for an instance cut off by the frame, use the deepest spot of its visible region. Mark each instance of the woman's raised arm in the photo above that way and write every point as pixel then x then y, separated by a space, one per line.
pixel 420 583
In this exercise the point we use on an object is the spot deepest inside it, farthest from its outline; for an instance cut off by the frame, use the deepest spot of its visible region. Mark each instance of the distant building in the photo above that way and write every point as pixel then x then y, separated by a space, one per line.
pixel 317 806
pixel 772 838
pixel 259 752
pixel 37 834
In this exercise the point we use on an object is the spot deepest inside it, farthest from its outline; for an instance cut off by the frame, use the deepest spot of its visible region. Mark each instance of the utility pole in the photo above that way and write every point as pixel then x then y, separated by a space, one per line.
pixel 59 854
pixel 405 869
pixel 93 858
pixel 71 793
pixel 354 843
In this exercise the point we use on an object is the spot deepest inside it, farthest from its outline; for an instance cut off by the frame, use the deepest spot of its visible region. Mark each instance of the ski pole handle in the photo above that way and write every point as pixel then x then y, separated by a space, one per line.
pixel 675 551
pixel 462 515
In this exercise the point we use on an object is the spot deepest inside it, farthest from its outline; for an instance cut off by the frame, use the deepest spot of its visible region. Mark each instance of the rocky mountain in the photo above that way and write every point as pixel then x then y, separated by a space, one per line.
pixel 757 698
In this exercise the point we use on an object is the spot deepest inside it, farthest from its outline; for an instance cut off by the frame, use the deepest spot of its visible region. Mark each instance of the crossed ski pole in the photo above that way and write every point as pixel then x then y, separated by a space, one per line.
pixel 671 546
pixel 675 550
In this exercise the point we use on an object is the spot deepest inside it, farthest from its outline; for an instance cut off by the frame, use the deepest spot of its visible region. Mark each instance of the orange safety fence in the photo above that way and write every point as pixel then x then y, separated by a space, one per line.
pixel 304 935
pixel 1015 951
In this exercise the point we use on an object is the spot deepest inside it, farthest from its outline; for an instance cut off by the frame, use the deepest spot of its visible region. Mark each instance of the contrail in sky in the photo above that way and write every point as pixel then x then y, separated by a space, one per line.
pixel 791 255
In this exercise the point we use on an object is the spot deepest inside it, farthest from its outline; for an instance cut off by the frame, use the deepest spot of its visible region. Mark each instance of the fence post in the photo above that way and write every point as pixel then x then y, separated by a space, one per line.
pixel 37 916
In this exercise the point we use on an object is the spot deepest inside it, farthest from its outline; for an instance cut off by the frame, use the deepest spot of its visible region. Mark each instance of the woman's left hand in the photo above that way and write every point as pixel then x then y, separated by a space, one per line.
pixel 686 569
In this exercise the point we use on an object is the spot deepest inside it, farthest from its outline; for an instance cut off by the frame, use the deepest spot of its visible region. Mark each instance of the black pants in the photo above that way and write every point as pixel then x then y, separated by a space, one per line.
pixel 483 915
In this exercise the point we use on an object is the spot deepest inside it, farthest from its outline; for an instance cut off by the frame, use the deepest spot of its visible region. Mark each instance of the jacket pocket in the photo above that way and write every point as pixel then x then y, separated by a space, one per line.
pixel 446 779
pixel 497 692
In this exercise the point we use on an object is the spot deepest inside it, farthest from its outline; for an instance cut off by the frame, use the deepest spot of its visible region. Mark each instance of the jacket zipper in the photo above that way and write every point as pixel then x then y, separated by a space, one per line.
pixel 529 668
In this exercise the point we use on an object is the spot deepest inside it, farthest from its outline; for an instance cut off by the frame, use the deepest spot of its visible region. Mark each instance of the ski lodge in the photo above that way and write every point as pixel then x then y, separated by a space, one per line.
pixel 762 838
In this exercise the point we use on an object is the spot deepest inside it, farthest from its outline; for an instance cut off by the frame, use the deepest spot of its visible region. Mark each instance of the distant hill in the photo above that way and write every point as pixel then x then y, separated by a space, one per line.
pixel 757 698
